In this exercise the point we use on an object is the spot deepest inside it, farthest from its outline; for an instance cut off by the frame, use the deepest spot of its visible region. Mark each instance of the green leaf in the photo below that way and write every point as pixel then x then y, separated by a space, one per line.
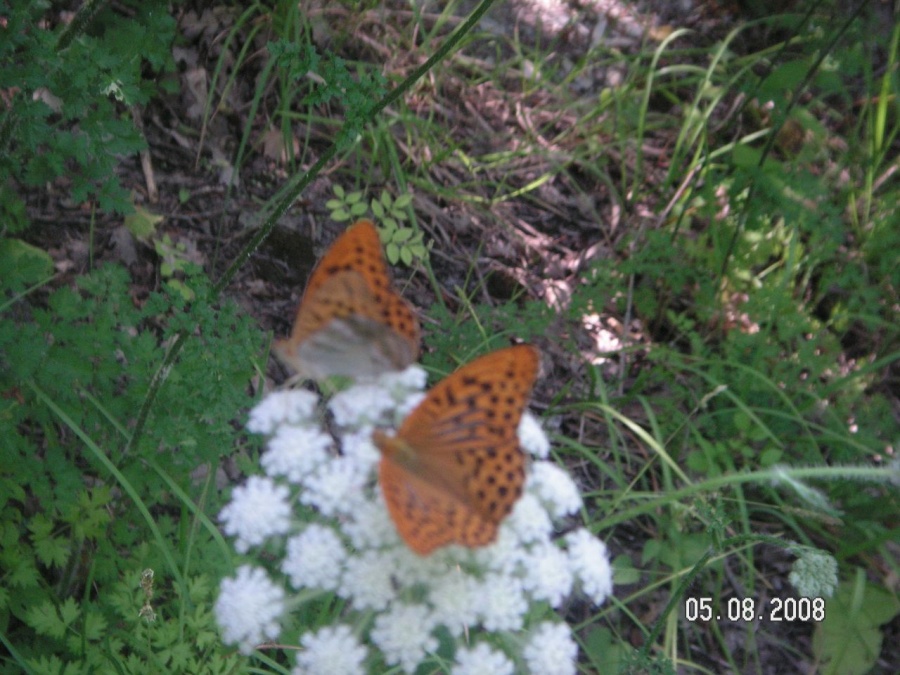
pixel 403 235
pixel 23 264
pixel 377 209
pixel 142 223
pixel 392 252
pixel 45 620
pixel 848 641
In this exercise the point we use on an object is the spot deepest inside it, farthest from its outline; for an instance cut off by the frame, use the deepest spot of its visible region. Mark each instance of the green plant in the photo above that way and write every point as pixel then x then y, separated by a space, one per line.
pixel 84 508
pixel 401 243
pixel 70 99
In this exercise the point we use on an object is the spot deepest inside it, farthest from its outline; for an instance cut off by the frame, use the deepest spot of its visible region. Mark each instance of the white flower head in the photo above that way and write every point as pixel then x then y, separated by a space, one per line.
pixel 482 659
pixel 399 384
pixel 452 597
pixel 590 564
pixel 403 635
pixel 555 488
pixel 500 603
pixel 532 437
pixel 347 544
pixel 551 650
pixel 333 650
pixel 358 446
pixel 368 581
pixel 335 488
pixel 259 509
pixel 249 607
pixel 547 574
pixel 529 520
pixel 294 452
pixel 360 405
pixel 315 558
pixel 371 527
pixel 294 406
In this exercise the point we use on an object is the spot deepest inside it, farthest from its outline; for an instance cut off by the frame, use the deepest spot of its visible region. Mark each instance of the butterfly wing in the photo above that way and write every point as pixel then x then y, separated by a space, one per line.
pixel 428 519
pixel 350 320
pixel 456 459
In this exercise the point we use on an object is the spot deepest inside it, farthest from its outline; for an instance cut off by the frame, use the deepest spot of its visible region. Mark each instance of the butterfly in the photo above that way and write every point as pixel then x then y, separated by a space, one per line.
pixel 351 321
pixel 454 470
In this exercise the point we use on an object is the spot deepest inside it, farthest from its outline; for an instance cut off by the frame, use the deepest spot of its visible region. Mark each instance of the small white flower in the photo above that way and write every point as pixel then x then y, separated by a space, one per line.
pixel 482 660
pixel 282 407
pixel 529 520
pixel 248 608
pixel 412 569
pixel 368 581
pixel 501 556
pixel 258 509
pixel 335 488
pixel 408 404
pixel 360 405
pixel 547 575
pixel 359 447
pixel 555 488
pixel 294 452
pixel 452 598
pixel 403 635
pixel 333 650
pixel 590 563
pixel 315 558
pixel 500 603
pixel 371 527
pixel 532 437
pixel 399 384
pixel 814 574
pixel 551 650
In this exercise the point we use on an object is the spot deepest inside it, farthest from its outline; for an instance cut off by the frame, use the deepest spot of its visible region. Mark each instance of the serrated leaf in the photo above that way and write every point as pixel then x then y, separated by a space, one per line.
pixel 377 209
pixel 386 200
pixel 95 625
pixel 333 204
pixel 340 216
pixel 44 619
pixel 23 262
pixel 52 551
pixel 403 201
pixel 69 611
pixel 406 256
pixel 339 192
pixel 359 209
pixel 353 197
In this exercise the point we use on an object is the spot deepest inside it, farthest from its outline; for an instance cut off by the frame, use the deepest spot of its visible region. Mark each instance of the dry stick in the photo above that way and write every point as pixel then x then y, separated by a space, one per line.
pixel 282 201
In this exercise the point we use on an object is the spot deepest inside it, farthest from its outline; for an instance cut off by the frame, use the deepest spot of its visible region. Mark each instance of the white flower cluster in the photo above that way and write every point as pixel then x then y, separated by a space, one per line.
pixel 400 609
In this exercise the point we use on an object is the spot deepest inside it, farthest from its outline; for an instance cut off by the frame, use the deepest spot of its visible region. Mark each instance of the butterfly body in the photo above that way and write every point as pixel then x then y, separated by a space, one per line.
pixel 454 470
pixel 350 321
